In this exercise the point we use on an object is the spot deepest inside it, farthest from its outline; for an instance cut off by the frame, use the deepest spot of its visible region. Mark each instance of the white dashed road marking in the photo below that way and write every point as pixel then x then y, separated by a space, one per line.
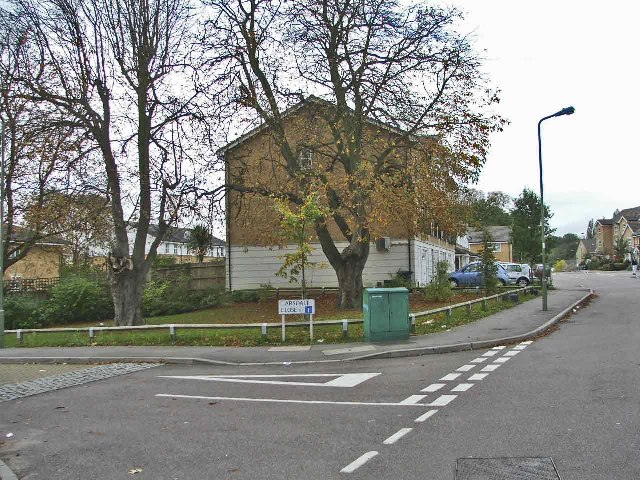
pixel 397 436
pixel 502 360
pixel 434 387
pixel 478 360
pixel 465 368
pixel 500 347
pixel 490 353
pixel 412 399
pixel 450 376
pixel 490 368
pixel 463 387
pixel 425 416
pixel 357 463
pixel 478 376
pixel 443 400
pixel 512 353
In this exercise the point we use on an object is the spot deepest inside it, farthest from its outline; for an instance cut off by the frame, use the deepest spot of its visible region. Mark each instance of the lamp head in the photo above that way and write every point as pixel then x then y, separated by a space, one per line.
pixel 565 111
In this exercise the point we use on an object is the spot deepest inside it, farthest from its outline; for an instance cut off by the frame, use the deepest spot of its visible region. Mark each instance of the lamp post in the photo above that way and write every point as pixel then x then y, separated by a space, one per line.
pixel 564 111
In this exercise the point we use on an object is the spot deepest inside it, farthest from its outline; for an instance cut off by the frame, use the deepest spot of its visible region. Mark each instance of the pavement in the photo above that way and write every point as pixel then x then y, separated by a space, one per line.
pixel 524 321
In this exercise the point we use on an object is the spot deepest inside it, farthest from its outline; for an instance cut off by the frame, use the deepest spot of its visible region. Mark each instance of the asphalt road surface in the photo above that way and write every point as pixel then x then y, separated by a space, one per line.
pixel 572 395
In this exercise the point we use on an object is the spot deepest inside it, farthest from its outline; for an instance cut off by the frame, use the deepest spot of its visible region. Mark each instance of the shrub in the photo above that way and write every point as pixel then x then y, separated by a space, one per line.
pixel 23 311
pixel 242 296
pixel 560 266
pixel 215 297
pixel 77 299
pixel 439 288
pixel 400 279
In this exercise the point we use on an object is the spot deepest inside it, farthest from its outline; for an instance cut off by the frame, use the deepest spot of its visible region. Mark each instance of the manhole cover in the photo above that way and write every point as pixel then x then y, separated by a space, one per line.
pixel 506 468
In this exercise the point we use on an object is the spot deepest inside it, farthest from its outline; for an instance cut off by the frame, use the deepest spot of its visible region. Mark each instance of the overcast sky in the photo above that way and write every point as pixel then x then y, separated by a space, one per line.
pixel 547 55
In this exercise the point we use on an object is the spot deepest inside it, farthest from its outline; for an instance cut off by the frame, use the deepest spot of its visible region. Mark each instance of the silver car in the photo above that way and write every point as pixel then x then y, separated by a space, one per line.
pixel 519 273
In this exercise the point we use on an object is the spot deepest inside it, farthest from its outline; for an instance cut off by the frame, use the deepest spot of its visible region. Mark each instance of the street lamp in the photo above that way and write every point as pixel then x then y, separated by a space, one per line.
pixel 564 111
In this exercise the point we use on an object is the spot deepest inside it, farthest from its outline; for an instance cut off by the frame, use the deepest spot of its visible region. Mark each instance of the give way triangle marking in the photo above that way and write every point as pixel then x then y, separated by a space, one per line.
pixel 339 379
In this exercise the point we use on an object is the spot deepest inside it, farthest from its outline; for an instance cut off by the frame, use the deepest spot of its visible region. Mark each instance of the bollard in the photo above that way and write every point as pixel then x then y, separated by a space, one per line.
pixel 264 329
pixel 449 312
pixel 19 336
pixel 345 328
pixel 484 304
pixel 413 323
pixel 469 308
pixel 172 332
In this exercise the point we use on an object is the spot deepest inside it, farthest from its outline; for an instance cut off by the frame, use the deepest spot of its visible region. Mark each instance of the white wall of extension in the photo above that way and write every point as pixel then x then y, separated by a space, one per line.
pixel 252 267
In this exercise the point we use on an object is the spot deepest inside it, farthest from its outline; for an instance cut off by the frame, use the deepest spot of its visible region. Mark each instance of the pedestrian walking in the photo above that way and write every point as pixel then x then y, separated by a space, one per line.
pixel 634 263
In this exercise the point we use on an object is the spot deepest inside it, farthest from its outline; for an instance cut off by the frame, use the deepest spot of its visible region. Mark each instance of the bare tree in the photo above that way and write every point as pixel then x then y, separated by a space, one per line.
pixel 121 69
pixel 407 111
pixel 41 150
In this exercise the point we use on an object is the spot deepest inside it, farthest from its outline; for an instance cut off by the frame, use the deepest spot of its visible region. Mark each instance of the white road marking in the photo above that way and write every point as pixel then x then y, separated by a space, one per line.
pixel 499 347
pixel 358 462
pixel 520 347
pixel 425 416
pixel 450 376
pixel 434 387
pixel 478 376
pixel 443 400
pixel 397 436
pixel 412 399
pixel 465 368
pixel 528 342
pixel 280 400
pixel 502 360
pixel 338 351
pixel 462 387
pixel 479 360
pixel 342 380
pixel 490 368
pixel 302 348
pixel 512 353
pixel 490 353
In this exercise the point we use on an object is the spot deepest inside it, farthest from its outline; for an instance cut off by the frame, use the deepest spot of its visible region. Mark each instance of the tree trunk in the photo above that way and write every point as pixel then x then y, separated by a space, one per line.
pixel 350 282
pixel 127 288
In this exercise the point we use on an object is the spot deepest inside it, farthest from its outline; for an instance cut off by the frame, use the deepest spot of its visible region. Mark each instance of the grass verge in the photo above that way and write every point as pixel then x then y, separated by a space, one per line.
pixel 252 337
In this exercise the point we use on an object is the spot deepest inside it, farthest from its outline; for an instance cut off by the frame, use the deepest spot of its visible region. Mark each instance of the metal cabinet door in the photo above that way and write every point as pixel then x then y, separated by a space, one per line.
pixel 399 311
pixel 379 312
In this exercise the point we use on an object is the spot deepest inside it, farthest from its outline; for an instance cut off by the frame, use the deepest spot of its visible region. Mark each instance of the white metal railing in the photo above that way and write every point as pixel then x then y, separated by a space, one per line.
pixel 173 327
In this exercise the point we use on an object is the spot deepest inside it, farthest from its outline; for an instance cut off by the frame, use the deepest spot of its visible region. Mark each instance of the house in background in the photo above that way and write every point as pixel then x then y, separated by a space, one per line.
pixel 463 254
pixel 175 244
pixel 586 248
pixel 500 242
pixel 604 237
pixel 253 261
pixel 43 260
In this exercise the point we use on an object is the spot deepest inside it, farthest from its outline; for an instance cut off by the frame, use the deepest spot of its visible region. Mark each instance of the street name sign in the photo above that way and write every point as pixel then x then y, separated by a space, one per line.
pixel 297 307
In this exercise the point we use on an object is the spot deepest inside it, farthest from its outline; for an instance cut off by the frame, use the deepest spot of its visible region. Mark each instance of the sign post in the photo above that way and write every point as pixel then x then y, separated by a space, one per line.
pixel 297 307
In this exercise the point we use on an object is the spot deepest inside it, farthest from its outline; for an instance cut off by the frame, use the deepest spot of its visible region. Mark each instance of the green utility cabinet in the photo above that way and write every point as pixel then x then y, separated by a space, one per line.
pixel 386 314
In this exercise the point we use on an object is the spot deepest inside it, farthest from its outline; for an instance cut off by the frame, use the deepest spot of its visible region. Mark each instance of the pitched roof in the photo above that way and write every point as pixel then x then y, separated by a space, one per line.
pixel 605 221
pixel 634 226
pixel 589 244
pixel 498 233
pixel 311 99
pixel 630 214
pixel 22 234
pixel 180 235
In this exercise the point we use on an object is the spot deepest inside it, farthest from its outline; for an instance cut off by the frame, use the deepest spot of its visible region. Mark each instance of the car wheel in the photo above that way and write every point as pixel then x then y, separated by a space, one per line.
pixel 453 282
pixel 522 282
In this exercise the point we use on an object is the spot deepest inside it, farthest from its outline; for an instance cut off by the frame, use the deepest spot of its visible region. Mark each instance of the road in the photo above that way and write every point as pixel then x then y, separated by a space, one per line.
pixel 572 395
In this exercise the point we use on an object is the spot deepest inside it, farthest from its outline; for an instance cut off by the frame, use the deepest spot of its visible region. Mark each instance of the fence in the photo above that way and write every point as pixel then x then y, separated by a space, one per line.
pixel 23 285
pixel 201 276
pixel 173 328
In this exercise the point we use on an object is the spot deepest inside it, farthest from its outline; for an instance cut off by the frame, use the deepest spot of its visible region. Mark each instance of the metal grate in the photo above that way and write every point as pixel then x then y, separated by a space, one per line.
pixel 506 468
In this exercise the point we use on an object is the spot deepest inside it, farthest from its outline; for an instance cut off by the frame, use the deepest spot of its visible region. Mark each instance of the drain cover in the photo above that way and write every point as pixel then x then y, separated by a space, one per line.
pixel 506 468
